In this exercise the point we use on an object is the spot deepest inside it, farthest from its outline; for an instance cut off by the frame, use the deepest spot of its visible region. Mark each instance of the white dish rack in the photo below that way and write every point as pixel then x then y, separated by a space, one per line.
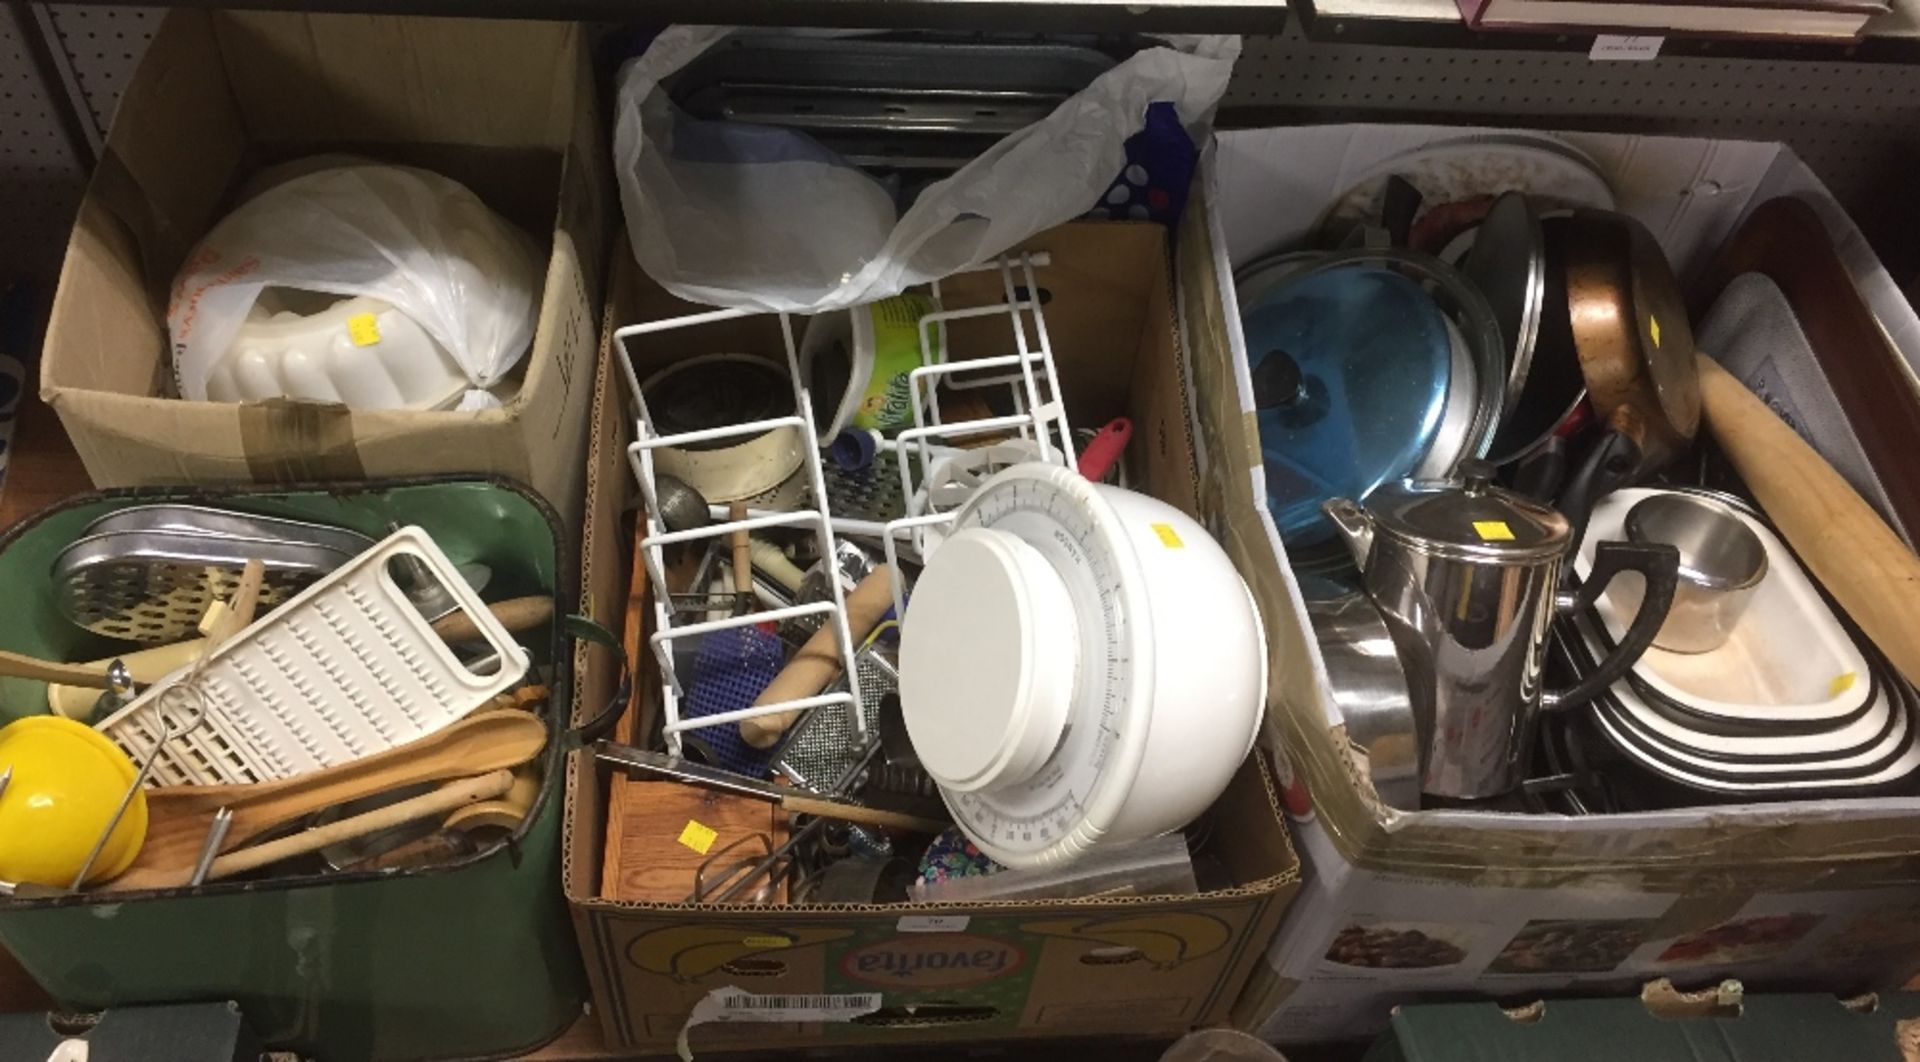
pixel 1025 369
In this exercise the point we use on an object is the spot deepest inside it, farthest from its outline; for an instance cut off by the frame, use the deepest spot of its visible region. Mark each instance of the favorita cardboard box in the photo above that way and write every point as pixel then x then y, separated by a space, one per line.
pixel 844 973
pixel 506 108
pixel 1450 903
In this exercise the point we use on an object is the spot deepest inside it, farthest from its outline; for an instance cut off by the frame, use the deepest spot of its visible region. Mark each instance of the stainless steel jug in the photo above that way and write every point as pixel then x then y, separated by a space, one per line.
pixel 1467 577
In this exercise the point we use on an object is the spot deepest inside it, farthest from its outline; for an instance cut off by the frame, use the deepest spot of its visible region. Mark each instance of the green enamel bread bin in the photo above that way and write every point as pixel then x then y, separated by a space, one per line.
pixel 465 960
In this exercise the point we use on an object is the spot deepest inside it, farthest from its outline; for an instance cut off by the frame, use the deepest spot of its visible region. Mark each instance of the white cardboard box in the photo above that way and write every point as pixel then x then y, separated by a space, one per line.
pixel 1824 894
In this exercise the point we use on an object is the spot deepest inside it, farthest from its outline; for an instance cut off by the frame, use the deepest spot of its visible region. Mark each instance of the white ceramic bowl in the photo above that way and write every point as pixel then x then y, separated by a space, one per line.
pixel 1080 665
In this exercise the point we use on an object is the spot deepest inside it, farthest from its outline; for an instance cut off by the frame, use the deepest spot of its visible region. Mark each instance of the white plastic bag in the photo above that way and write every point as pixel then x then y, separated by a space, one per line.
pixel 740 215
pixel 419 241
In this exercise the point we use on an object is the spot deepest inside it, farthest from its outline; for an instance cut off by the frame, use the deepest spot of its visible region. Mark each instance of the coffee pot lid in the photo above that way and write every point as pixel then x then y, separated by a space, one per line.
pixel 1469 518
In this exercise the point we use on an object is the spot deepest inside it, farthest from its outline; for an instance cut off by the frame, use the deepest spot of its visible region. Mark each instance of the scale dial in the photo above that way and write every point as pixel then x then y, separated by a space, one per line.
pixel 1036 723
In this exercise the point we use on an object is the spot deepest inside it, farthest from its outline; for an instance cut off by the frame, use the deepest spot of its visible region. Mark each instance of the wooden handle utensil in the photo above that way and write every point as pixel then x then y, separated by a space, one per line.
pixel 16 665
pixel 241 607
pixel 1850 549
pixel 817 663
pixel 447 798
pixel 859 814
pixel 516 615
pixel 178 816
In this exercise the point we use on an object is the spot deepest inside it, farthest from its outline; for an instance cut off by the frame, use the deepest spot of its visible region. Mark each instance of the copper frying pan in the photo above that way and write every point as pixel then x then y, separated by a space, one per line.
pixel 1635 345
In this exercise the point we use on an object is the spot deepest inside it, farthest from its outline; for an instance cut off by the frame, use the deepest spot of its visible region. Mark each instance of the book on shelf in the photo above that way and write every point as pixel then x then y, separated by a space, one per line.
pixel 1803 19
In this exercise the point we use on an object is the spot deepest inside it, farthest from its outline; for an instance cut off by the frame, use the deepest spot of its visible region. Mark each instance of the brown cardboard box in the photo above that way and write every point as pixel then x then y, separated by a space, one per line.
pixel 1146 966
pixel 1470 902
pixel 504 107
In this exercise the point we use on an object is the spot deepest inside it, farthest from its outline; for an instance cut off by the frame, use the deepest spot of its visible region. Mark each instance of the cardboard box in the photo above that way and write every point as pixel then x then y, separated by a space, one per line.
pixel 1721 1025
pixel 1137 965
pixel 504 107
pixel 1479 903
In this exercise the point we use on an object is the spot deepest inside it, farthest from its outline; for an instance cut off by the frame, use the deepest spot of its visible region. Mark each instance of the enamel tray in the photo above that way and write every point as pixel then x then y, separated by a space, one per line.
pixel 1790 663
pixel 1661 762
pixel 1868 739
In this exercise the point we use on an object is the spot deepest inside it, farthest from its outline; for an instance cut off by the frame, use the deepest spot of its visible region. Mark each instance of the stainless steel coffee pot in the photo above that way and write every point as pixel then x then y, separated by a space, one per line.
pixel 1467 577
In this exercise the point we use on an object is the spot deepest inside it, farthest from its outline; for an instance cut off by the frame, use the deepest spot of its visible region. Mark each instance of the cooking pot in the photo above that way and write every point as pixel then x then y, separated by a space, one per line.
pixel 1466 576
pixel 1369 686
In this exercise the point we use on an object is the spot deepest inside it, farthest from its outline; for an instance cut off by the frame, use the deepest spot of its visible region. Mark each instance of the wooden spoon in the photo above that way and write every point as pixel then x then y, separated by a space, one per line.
pixel 453 796
pixel 178 816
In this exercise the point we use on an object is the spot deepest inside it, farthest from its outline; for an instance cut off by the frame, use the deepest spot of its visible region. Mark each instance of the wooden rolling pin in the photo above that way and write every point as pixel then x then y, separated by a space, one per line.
pixel 1854 554
pixel 818 662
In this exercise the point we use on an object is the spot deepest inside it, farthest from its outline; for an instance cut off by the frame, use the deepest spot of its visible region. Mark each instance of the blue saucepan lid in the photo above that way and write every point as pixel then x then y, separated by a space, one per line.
pixel 1363 376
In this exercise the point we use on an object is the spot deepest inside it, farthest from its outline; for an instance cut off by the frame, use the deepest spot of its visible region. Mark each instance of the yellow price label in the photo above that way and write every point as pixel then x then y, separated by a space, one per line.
pixel 1168 536
pixel 698 836
pixel 363 329
pixel 767 942
pixel 1653 327
pixel 1493 530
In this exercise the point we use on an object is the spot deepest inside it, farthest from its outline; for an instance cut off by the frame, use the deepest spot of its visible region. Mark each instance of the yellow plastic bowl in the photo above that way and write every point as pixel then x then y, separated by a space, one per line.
pixel 67 779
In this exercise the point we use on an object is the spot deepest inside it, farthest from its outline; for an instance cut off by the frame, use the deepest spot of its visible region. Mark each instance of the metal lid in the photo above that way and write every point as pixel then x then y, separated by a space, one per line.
pixel 1508 261
pixel 1352 367
pixel 1469 520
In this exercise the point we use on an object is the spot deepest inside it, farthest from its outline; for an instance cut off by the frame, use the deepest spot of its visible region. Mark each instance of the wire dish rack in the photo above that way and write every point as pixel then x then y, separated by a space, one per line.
pixel 933 461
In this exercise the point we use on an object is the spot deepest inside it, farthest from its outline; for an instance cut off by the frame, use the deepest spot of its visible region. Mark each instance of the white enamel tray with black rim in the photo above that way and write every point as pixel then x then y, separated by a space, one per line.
pixel 1790 663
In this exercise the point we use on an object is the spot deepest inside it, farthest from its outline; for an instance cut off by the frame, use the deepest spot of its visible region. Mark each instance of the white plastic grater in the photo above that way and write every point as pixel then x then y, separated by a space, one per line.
pixel 347 668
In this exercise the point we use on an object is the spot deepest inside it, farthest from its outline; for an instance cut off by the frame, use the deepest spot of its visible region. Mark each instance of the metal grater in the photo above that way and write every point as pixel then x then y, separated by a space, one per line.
pixel 851 561
pixel 824 744
pixel 872 493
pixel 154 586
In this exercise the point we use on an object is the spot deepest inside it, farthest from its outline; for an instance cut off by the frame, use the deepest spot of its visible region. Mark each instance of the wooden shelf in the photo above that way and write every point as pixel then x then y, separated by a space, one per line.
pixel 1057 16
pixel 1891 38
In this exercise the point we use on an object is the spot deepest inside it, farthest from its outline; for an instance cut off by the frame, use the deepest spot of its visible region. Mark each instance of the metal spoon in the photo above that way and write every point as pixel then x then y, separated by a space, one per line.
pixel 682 508
pixel 119 691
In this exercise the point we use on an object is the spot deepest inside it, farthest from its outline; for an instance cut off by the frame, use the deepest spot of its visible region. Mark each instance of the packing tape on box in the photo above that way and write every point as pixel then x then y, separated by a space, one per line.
pixel 1697 912
pixel 298 442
